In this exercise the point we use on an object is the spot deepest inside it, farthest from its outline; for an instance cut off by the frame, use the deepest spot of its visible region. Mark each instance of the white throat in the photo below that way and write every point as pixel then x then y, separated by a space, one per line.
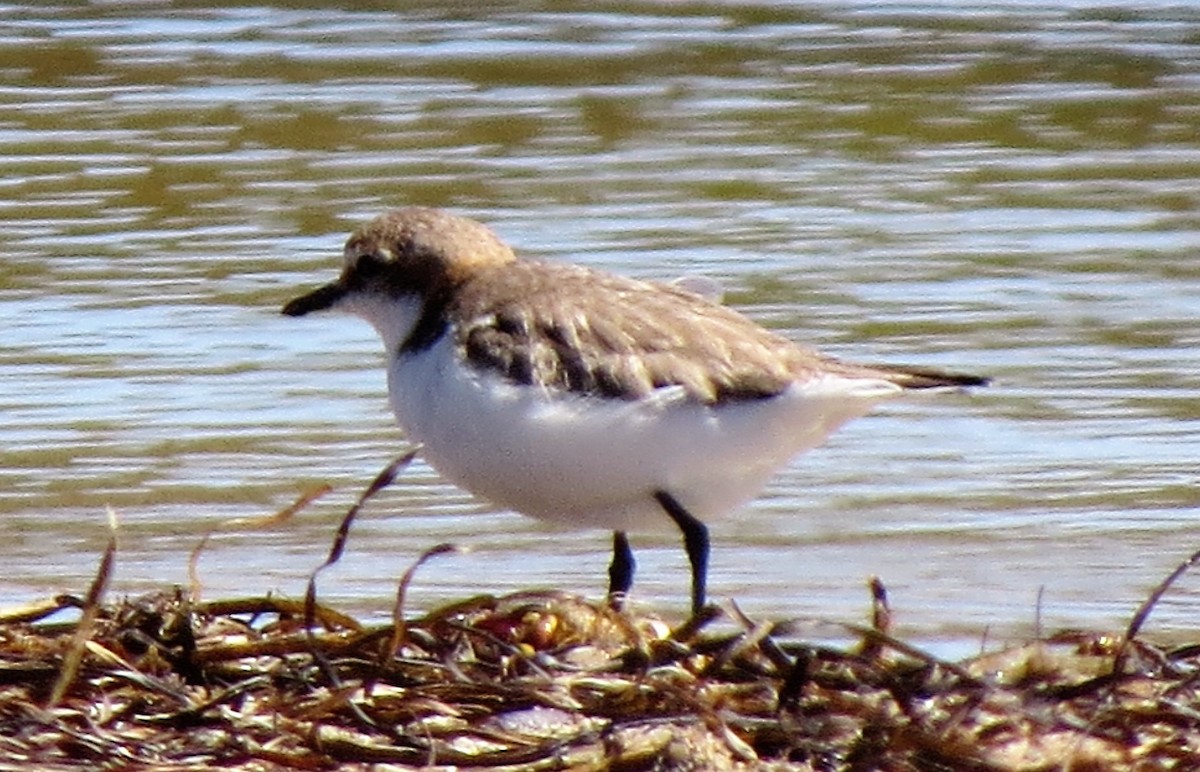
pixel 393 318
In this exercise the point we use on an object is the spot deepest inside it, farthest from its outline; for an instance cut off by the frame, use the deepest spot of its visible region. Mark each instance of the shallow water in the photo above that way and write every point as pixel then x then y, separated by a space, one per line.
pixel 1008 188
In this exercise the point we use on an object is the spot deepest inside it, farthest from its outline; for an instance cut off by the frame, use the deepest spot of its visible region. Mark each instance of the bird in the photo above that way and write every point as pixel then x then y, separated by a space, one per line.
pixel 585 398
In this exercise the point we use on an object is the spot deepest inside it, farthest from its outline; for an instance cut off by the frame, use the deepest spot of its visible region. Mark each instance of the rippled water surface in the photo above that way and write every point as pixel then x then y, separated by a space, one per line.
pixel 1010 188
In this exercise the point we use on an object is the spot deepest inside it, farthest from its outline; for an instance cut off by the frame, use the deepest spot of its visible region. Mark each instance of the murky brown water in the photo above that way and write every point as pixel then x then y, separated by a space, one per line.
pixel 1002 187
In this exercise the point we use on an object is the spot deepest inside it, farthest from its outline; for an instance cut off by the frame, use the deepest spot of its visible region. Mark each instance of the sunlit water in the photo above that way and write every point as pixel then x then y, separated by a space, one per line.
pixel 1003 188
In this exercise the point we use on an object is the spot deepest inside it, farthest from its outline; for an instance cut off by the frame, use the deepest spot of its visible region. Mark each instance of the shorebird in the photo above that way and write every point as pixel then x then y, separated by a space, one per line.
pixel 585 398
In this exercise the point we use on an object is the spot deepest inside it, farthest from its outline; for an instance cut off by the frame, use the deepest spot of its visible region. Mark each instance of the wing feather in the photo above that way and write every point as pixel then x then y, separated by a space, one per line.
pixel 571 328
pixel 567 327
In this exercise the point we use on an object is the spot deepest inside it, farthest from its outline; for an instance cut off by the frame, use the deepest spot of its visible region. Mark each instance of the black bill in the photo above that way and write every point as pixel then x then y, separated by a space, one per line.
pixel 317 300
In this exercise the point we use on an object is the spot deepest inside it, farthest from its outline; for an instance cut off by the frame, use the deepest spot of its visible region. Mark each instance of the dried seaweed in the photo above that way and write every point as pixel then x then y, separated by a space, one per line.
pixel 545 680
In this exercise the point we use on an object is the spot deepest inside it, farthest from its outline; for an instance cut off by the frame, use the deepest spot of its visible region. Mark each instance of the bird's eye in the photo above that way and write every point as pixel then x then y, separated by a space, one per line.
pixel 367 265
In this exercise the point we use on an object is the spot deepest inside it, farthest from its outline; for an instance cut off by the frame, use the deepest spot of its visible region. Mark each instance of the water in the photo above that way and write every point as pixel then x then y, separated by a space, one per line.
pixel 1008 188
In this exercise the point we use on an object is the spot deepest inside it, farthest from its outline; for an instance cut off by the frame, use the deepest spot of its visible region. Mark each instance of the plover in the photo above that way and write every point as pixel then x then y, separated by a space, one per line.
pixel 585 398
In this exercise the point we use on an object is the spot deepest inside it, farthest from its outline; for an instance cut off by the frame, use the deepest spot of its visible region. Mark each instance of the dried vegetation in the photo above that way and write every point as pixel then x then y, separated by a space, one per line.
pixel 545 681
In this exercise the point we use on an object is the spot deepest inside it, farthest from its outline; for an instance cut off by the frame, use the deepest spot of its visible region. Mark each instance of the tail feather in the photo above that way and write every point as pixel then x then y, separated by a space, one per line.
pixel 905 376
pixel 915 377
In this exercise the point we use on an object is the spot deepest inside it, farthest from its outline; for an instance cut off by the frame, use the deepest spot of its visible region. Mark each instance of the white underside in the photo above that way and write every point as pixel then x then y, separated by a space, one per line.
pixel 595 462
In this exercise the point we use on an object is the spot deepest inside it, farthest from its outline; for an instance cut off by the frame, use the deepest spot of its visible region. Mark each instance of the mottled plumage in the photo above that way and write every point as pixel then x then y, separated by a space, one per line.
pixel 571 328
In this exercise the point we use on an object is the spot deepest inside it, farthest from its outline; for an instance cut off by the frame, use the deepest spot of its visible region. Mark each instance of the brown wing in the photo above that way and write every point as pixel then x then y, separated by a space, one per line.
pixel 572 328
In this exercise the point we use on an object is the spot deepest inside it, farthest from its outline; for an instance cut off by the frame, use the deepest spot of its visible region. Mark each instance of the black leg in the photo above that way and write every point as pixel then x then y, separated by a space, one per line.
pixel 620 571
pixel 695 541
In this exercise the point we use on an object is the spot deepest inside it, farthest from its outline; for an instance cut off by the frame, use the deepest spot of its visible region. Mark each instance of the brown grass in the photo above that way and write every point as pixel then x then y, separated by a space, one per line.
pixel 547 681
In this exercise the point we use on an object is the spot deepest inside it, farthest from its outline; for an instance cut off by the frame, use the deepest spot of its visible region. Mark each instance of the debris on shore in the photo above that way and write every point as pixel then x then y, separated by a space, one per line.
pixel 542 680
pixel 549 681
